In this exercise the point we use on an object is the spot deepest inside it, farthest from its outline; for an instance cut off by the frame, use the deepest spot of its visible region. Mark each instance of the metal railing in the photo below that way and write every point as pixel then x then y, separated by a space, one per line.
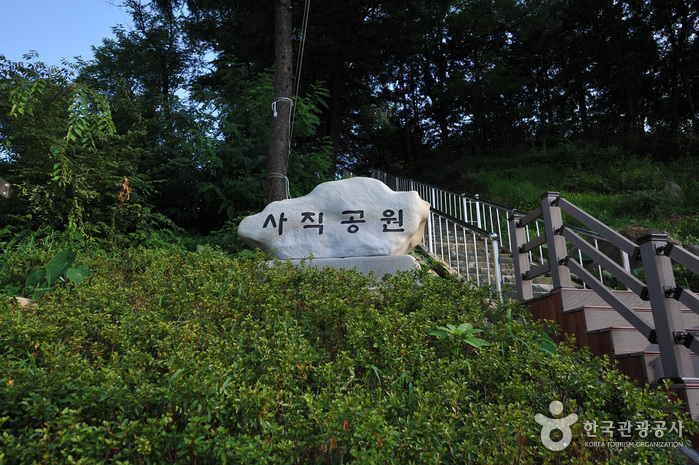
pixel 460 231
pixel 655 253
pixel 471 252
pixel 490 218
pixel 485 216
pixel 452 234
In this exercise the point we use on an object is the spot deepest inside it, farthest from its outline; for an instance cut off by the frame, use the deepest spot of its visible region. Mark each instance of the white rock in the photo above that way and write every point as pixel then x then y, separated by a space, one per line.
pixel 352 217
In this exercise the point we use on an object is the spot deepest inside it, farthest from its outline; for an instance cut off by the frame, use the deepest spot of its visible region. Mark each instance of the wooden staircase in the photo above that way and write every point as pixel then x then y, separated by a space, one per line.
pixel 582 313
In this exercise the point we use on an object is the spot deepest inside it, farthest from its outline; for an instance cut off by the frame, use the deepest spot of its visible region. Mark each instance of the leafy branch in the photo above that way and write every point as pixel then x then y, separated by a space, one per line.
pixel 463 333
pixel 57 270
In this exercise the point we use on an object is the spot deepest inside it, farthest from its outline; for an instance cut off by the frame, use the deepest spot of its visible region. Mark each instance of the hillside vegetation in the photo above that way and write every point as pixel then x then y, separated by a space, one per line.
pixel 618 187
pixel 154 338
pixel 165 355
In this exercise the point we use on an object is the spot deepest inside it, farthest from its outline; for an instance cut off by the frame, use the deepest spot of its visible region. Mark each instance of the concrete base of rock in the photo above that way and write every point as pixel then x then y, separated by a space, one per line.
pixel 379 265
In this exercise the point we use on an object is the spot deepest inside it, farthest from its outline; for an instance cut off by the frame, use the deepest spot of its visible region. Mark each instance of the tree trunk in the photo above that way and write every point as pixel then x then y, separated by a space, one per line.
pixel 279 136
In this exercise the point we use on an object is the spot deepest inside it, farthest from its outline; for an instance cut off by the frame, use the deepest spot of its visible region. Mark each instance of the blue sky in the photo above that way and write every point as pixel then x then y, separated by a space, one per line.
pixel 56 28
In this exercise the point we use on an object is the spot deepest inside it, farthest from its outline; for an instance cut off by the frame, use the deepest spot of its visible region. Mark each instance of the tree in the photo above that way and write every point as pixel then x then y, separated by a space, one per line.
pixel 280 129
pixel 147 72
pixel 676 23
pixel 70 169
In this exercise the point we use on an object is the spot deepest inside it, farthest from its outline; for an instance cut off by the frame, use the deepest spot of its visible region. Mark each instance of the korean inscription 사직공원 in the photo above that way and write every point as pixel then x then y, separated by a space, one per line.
pixel 312 220
pixel 353 217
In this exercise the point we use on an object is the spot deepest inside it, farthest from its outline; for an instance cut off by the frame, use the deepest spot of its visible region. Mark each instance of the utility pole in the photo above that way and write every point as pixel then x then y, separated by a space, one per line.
pixel 279 137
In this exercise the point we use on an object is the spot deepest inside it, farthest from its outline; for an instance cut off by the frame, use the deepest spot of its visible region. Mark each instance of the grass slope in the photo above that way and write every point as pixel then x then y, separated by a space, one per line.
pixel 169 356
pixel 618 188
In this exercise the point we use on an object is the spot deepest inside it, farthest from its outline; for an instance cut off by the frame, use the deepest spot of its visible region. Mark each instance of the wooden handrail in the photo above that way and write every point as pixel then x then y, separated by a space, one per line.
pixel 533 244
pixel 531 217
pixel 682 257
pixel 629 280
pixel 688 299
pixel 604 292
pixel 656 254
pixel 605 231
pixel 538 271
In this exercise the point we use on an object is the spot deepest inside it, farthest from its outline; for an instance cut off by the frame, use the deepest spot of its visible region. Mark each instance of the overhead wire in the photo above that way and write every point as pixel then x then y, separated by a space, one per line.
pixel 299 63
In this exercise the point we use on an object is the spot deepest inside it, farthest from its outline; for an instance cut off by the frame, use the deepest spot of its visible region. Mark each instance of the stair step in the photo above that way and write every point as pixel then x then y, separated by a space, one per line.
pixel 689 394
pixel 576 298
pixel 600 317
pixel 647 367
pixel 619 340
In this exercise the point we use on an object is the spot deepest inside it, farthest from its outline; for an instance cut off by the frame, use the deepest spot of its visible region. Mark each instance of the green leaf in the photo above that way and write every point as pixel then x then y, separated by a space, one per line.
pixel 547 345
pixel 77 275
pixel 35 278
pixel 59 264
pixel 437 332
pixel 84 270
pixel 467 328
pixel 463 327
pixel 476 342
pixel 246 254
pixel 13 291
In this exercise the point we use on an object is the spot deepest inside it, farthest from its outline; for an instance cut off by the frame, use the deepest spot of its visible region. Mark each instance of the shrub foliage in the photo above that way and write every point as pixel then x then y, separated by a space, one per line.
pixel 168 356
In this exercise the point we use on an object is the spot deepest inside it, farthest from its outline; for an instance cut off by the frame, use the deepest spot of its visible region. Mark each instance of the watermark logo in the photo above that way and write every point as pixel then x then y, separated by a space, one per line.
pixel 549 425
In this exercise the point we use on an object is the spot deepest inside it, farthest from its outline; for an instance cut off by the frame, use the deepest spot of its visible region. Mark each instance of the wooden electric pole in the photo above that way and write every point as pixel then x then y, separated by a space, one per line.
pixel 279 137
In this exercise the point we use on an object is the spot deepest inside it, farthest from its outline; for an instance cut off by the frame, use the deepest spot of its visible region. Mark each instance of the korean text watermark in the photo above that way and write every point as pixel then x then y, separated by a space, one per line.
pixel 607 434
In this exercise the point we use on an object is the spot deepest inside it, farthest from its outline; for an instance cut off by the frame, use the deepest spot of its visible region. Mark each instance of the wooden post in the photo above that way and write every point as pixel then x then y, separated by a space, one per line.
pixel 518 237
pixel 279 135
pixel 553 221
pixel 667 312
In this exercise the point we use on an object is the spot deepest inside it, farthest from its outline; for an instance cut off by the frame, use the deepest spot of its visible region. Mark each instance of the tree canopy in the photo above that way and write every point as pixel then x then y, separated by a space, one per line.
pixel 174 112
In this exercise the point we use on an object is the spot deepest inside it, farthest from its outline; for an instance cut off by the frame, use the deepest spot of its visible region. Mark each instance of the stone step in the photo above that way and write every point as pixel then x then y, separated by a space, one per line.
pixel 541 289
pixel 466 265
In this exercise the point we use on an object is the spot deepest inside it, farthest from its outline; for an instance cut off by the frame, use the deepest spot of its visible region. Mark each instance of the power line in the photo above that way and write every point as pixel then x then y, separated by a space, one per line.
pixel 299 63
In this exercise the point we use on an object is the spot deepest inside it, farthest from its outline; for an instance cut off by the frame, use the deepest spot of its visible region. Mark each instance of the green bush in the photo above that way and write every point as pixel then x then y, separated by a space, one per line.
pixel 169 356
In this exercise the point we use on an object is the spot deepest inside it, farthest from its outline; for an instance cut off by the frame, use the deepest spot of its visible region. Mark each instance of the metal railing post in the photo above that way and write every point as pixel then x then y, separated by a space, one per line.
pixel 464 205
pixel 431 236
pixel 553 220
pixel 478 212
pixel 667 312
pixel 498 269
